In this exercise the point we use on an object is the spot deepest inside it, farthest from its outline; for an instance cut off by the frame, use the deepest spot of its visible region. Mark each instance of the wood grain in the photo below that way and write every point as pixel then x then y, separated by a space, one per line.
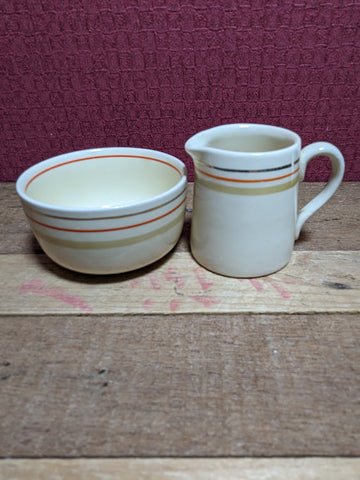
pixel 184 385
pixel 330 228
pixel 183 469
pixel 312 282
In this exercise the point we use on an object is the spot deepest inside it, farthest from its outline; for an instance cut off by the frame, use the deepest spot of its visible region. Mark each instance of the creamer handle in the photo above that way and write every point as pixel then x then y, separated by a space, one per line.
pixel 337 173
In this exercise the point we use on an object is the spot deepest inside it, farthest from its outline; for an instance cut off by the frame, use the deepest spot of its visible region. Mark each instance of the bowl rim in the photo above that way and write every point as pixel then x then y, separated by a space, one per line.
pixel 101 212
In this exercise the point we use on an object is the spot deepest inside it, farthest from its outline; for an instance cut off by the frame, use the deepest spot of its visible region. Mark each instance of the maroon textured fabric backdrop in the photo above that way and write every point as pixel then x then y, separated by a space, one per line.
pixel 150 73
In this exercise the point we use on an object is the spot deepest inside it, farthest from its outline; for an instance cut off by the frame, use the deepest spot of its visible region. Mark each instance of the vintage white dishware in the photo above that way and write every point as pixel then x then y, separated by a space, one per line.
pixel 245 212
pixel 105 210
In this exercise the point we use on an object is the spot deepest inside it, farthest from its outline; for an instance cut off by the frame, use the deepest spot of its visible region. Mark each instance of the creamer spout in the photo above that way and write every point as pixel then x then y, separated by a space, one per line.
pixel 197 145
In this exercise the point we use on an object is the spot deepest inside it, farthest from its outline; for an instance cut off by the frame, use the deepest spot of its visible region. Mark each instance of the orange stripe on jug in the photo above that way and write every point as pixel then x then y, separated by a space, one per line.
pixel 237 180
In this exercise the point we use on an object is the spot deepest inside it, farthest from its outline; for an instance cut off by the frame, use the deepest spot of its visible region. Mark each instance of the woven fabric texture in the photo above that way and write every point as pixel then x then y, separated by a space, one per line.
pixel 151 73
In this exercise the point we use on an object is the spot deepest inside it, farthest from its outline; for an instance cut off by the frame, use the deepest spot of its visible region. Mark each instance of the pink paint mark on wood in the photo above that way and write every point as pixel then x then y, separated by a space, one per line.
pixel 148 303
pixel 256 284
pixel 33 286
pixel 38 287
pixel 174 305
pixel 290 280
pixel 172 275
pixel 155 282
pixel 281 290
pixel 305 259
pixel 201 278
pixel 205 300
pixel 135 283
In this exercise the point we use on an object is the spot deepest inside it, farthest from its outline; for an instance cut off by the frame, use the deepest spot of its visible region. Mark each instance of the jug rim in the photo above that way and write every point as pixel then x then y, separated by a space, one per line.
pixel 199 142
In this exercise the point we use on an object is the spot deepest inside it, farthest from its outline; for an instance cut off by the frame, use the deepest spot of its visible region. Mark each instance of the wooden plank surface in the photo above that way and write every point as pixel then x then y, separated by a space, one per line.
pixel 313 282
pixel 330 228
pixel 183 469
pixel 175 361
pixel 180 385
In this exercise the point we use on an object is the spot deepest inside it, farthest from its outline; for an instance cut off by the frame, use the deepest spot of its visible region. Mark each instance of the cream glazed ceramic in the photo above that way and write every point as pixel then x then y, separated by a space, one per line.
pixel 105 210
pixel 245 213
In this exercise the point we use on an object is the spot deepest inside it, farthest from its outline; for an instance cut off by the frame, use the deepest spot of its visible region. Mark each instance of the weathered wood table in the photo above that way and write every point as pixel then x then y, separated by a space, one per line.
pixel 175 372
